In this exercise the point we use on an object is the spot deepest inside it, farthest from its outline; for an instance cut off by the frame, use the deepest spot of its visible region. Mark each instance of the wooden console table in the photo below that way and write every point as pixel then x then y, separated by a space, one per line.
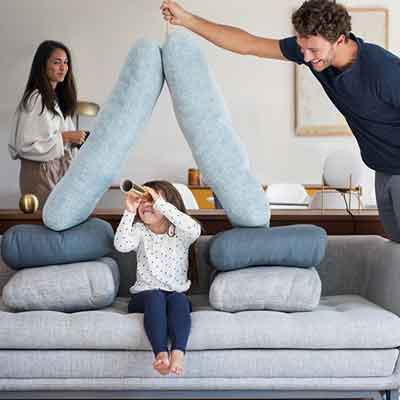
pixel 335 222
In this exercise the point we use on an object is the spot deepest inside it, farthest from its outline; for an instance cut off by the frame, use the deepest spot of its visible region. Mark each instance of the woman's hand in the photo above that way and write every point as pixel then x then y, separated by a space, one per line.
pixel 74 137
pixel 132 201
pixel 174 13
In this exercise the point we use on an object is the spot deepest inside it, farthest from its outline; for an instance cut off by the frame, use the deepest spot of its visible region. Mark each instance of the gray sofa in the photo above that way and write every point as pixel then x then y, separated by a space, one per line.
pixel 347 347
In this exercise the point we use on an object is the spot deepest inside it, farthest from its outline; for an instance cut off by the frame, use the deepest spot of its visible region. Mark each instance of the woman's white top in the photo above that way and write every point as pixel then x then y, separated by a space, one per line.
pixel 162 260
pixel 38 136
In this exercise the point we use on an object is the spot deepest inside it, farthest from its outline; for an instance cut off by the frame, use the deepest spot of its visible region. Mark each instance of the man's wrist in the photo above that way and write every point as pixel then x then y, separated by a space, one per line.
pixel 189 21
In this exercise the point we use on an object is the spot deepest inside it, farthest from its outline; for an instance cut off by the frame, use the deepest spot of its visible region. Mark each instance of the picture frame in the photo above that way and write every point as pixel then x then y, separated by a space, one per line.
pixel 315 114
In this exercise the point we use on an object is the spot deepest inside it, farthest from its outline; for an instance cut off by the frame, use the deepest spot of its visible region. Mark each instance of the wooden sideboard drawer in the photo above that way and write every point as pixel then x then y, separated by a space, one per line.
pixel 204 196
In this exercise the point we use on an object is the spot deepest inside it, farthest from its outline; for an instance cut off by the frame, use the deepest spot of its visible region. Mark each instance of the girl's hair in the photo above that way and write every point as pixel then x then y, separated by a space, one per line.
pixel 171 195
pixel 64 93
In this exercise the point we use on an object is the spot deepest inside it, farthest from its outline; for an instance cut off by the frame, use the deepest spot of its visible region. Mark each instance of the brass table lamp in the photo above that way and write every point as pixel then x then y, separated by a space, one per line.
pixel 87 109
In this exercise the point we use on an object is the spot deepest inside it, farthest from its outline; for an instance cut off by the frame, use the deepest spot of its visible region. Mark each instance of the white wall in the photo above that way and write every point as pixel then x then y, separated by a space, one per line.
pixel 259 93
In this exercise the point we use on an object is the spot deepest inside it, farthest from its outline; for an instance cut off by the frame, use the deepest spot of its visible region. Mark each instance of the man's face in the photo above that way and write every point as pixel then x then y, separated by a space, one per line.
pixel 318 51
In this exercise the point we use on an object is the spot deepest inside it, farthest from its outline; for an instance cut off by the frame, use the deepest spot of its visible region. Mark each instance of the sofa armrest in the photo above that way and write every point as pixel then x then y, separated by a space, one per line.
pixel 383 287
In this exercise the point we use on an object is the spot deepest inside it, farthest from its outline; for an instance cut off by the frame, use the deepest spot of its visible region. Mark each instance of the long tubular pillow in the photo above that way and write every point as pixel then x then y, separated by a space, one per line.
pixel 205 121
pixel 266 288
pixel 291 246
pixel 25 246
pixel 115 132
pixel 67 288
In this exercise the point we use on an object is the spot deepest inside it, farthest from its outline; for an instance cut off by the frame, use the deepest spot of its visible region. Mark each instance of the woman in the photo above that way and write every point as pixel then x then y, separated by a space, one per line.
pixel 44 138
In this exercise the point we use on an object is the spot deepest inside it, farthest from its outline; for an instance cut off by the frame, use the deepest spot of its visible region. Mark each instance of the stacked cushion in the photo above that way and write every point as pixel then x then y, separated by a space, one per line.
pixel 272 288
pixel 60 271
pixel 66 287
pixel 291 246
pixel 25 246
pixel 267 268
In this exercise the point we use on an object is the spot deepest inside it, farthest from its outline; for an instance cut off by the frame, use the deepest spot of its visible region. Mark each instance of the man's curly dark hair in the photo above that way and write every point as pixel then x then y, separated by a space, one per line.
pixel 322 17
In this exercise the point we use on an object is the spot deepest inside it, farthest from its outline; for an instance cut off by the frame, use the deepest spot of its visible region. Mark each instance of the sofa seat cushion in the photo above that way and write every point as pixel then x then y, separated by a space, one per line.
pixel 239 364
pixel 339 322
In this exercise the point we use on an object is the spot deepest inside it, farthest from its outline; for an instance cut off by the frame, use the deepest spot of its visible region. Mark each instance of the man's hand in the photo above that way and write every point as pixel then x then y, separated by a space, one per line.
pixel 174 13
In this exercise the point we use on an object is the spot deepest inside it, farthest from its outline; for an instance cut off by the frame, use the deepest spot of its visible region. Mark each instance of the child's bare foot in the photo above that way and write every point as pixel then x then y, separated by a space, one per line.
pixel 177 362
pixel 161 363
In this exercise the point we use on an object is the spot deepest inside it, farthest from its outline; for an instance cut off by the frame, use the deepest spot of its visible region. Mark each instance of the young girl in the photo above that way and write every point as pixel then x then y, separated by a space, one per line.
pixel 161 234
pixel 44 131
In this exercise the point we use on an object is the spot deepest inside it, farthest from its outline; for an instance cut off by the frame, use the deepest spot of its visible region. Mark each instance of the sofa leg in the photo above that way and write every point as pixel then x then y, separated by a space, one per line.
pixel 392 394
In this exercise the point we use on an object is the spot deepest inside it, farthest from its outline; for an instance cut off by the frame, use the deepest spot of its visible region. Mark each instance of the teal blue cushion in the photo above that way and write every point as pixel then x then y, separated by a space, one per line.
pixel 291 246
pixel 25 246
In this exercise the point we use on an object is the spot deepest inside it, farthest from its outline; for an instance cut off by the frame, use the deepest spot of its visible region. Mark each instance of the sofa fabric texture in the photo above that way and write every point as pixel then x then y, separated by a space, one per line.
pixel 292 246
pixel 266 288
pixel 66 287
pixel 26 245
pixel 339 322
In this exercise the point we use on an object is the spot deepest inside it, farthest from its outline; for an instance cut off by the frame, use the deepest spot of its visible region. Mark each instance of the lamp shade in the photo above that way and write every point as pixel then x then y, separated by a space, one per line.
pixel 87 108
pixel 339 166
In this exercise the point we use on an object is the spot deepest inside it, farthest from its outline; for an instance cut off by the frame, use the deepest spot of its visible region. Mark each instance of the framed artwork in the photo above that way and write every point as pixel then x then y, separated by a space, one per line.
pixel 315 115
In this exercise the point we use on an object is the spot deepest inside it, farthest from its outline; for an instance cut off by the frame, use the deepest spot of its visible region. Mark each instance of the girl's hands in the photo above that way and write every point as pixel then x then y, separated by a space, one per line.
pixel 132 201
pixel 154 195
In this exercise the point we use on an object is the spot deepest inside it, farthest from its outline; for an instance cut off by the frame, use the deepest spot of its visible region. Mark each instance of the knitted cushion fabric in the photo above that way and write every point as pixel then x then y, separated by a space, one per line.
pixel 25 246
pixel 115 133
pixel 291 246
pixel 68 287
pixel 205 121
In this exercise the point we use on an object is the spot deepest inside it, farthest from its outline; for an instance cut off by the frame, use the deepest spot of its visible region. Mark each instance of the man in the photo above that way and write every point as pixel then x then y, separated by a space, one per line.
pixel 361 79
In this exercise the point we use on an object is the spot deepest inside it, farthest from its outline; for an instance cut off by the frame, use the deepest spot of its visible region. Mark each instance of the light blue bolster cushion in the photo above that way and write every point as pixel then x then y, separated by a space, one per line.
pixel 66 288
pixel 266 288
pixel 25 246
pixel 292 246
pixel 113 136
pixel 205 121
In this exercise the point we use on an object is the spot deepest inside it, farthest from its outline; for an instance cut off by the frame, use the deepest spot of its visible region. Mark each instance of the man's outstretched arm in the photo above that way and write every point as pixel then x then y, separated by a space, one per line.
pixel 227 37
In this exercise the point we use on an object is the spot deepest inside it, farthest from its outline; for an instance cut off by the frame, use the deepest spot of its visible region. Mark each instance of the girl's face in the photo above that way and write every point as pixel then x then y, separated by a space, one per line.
pixel 57 67
pixel 148 214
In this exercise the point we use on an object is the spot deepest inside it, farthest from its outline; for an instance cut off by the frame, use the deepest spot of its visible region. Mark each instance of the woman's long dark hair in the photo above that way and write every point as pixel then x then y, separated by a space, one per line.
pixel 171 194
pixel 64 93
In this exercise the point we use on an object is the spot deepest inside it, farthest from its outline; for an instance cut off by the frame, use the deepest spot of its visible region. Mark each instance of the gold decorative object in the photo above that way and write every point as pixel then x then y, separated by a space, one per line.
pixel 87 109
pixel 29 203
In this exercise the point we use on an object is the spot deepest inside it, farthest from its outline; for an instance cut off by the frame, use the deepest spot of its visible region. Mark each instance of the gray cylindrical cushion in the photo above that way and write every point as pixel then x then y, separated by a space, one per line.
pixel 68 287
pixel 266 288
pixel 292 246
pixel 25 246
